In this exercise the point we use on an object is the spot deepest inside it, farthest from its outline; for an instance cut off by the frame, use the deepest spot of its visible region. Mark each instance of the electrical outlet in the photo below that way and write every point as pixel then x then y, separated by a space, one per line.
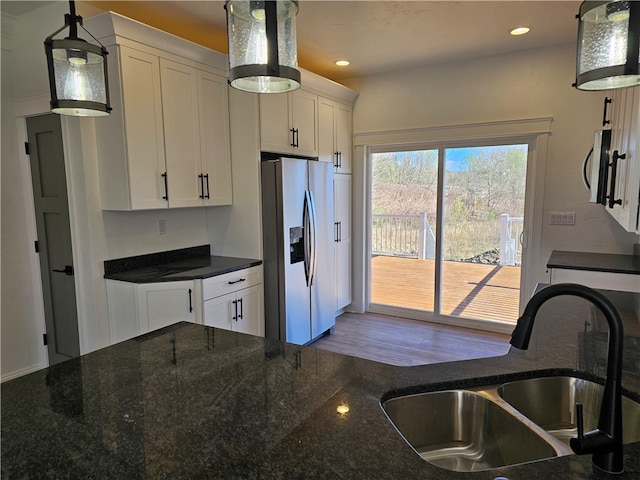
pixel 162 227
pixel 562 218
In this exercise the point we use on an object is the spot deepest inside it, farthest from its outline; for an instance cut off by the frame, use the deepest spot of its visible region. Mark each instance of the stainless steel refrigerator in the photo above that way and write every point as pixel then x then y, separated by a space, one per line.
pixel 299 266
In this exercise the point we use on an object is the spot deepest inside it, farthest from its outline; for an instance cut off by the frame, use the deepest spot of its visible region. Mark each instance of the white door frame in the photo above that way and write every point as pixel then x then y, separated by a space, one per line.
pixel 534 132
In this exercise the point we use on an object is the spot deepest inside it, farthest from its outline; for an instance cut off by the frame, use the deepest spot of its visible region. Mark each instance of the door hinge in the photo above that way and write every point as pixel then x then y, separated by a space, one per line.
pixel 36 246
pixel 44 339
pixel 26 148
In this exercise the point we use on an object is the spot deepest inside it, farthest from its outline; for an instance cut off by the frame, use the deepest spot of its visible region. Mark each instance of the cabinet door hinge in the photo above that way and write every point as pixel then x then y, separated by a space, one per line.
pixel 44 339
pixel 26 148
pixel 36 246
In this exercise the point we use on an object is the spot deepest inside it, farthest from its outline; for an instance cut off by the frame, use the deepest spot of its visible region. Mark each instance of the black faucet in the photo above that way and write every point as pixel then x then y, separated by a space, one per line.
pixel 605 442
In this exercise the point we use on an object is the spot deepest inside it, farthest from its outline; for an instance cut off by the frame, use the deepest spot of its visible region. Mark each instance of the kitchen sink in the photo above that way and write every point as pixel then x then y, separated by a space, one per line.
pixel 492 426
pixel 464 431
pixel 550 403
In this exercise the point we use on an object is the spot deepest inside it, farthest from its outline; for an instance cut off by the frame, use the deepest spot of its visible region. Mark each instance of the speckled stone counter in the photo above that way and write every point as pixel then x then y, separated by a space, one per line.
pixel 175 265
pixel 596 262
pixel 193 402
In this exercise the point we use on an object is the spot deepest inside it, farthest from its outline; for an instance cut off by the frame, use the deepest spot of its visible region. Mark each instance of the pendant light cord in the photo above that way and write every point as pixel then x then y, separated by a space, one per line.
pixel 73 19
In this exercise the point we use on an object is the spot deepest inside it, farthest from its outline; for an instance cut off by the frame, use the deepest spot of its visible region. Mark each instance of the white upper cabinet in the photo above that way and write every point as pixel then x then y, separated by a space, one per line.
pixel 289 123
pixel 167 141
pixel 215 183
pixel 131 140
pixel 334 134
pixel 623 189
pixel 181 133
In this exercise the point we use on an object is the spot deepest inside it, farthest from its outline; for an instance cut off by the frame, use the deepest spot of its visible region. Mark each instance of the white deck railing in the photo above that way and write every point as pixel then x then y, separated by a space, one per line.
pixel 411 236
pixel 403 236
pixel 510 241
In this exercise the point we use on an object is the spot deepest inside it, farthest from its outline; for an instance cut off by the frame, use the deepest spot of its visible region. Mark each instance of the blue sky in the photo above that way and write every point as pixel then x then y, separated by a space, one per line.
pixel 456 158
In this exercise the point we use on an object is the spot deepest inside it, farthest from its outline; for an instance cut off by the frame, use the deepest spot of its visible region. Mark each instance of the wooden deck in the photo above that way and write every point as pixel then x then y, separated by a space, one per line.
pixel 469 290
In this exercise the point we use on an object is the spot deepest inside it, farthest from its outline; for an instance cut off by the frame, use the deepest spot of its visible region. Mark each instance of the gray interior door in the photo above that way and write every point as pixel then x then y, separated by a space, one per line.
pixel 54 236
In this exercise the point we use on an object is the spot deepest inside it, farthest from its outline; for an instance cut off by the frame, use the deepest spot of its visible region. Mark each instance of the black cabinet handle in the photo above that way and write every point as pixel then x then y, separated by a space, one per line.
pixel 201 177
pixel 298 359
pixel 607 101
pixel 68 270
pixel 206 177
pixel 335 163
pixel 339 159
pixel 335 231
pixel 166 186
pixel 241 316
pixel 614 171
pixel 231 282
pixel 235 309
pixel 293 137
pixel 190 302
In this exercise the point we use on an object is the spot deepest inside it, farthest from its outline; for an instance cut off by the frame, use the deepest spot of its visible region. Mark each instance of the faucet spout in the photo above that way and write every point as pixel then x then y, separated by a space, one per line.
pixel 605 442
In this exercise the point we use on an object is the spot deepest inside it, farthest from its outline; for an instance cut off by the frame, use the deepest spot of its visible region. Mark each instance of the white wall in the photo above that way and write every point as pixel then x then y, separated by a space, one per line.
pixel 530 84
pixel 19 312
pixel 98 235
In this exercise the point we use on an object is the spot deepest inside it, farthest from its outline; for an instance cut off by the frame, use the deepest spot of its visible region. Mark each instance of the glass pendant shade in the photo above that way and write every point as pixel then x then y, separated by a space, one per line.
pixel 608 45
pixel 263 56
pixel 77 73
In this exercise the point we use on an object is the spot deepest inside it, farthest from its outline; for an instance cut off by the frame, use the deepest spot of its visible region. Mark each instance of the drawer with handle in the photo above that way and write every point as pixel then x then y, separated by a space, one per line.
pixel 231 282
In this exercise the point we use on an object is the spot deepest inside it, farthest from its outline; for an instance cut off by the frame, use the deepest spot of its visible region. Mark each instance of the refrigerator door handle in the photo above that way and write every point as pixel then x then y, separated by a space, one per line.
pixel 309 223
pixel 314 241
pixel 306 225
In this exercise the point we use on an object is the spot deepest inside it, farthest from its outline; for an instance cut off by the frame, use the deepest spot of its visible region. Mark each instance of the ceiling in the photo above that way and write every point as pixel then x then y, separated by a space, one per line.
pixel 376 36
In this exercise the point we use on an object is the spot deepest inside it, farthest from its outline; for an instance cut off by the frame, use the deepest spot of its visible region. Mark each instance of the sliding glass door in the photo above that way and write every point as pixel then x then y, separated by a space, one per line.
pixel 404 205
pixel 445 231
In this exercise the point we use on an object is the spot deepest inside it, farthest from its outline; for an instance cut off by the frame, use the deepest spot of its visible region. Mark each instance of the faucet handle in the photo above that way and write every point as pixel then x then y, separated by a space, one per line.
pixel 580 421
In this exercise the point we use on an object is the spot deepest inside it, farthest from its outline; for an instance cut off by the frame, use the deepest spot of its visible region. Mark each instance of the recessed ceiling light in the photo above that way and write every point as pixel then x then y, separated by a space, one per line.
pixel 342 63
pixel 519 31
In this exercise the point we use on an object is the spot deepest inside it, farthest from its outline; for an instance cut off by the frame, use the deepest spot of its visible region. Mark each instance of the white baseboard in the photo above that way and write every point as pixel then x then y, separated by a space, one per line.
pixel 21 372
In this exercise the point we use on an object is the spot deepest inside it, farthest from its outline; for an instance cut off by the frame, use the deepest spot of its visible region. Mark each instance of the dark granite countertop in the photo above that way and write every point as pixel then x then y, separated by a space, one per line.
pixel 194 402
pixel 176 265
pixel 597 262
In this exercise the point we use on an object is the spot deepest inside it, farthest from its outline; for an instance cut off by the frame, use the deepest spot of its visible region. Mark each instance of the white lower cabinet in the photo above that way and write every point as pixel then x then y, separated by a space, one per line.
pixel 234 301
pixel 138 308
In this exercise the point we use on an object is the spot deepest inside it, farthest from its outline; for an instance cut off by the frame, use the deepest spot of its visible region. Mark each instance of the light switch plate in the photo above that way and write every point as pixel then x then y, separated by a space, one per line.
pixel 562 218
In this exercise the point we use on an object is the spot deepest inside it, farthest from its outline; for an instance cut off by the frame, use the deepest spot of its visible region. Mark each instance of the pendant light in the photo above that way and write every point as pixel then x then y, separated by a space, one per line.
pixel 77 72
pixel 608 45
pixel 263 56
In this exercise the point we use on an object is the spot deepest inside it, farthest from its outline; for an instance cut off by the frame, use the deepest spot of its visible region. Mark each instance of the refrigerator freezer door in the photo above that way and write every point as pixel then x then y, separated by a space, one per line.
pixel 323 287
pixel 297 300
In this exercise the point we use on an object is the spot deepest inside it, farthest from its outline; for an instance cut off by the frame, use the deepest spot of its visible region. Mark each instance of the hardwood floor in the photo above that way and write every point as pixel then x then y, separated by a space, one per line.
pixel 404 342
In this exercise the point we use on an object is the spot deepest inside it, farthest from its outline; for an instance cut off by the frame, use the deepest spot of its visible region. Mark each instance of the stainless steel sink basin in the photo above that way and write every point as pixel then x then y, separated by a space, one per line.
pixel 493 426
pixel 464 431
pixel 550 403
